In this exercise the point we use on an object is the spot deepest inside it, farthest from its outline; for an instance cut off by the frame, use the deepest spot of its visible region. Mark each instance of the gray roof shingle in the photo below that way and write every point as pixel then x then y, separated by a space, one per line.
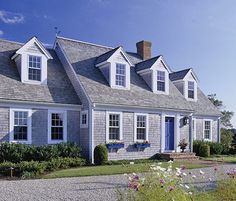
pixel 146 64
pixel 106 56
pixel 179 75
pixel 58 90
pixel 82 57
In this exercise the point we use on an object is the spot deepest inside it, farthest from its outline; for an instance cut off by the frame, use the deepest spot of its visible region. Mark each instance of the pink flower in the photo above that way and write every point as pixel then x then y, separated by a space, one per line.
pixel 171 188
pixel 162 181
pixel 183 167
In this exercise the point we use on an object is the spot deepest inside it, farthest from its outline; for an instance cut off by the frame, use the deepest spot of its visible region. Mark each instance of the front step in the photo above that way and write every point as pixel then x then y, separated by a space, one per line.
pixel 178 156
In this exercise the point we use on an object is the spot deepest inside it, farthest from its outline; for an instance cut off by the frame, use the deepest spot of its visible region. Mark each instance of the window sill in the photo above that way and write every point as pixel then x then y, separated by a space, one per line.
pixel 56 141
pixel 20 142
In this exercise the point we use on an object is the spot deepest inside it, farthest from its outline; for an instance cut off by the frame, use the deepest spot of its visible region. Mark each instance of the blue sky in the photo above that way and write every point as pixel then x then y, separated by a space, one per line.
pixel 199 34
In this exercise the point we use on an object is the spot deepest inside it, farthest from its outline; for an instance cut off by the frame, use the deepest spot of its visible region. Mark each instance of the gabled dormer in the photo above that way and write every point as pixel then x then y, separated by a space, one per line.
pixel 31 60
pixel 115 66
pixel 186 82
pixel 155 72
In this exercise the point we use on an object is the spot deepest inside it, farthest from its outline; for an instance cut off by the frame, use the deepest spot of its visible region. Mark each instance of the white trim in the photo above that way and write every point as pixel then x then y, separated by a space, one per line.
pixel 38 105
pixel 104 106
pixel 31 41
pixel 194 129
pixel 64 112
pixel 91 127
pixel 135 126
pixel 29 126
pixel 84 112
pixel 203 137
pixel 120 126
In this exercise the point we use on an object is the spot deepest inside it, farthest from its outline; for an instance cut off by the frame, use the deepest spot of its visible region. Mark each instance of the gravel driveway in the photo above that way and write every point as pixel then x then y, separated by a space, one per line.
pixel 84 188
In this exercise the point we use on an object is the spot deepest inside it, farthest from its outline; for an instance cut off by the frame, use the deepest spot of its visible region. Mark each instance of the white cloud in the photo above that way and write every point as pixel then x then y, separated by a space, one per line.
pixel 10 17
pixel 1 32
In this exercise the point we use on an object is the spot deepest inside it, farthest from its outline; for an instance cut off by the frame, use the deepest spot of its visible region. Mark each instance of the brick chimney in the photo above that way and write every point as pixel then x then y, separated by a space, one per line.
pixel 144 49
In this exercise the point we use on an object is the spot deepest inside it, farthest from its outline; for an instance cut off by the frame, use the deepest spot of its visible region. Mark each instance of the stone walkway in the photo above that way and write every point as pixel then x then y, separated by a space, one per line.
pixel 94 188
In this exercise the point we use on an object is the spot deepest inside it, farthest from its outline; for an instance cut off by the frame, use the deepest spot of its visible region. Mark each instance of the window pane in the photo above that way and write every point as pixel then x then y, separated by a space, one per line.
pixel 161 75
pixel 141 127
pixel 160 86
pixel 120 75
pixel 84 119
pixel 34 68
pixel 207 129
pixel 114 126
pixel 57 126
pixel 190 89
pixel 20 125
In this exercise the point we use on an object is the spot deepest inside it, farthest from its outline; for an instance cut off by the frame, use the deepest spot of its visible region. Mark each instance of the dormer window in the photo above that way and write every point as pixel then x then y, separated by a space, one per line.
pixel 120 74
pixel 34 64
pixel 115 67
pixel 161 81
pixel 155 72
pixel 191 89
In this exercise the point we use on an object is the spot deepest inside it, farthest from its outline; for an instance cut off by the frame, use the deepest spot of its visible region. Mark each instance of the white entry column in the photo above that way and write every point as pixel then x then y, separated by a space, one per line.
pixel 177 133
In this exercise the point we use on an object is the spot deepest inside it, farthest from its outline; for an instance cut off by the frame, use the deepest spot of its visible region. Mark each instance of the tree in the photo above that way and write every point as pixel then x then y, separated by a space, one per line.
pixel 226 115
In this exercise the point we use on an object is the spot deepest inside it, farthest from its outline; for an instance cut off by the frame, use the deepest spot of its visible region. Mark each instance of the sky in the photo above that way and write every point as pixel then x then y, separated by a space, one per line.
pixel 188 33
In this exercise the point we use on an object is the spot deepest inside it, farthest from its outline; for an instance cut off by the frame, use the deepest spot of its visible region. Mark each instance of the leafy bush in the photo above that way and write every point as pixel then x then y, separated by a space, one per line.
pixel 20 152
pixel 58 163
pixel 100 154
pixel 196 146
pixel 215 148
pixel 27 169
pixel 204 150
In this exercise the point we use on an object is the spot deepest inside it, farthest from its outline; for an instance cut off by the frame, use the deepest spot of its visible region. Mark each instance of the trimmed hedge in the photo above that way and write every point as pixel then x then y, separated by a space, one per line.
pixel 20 152
pixel 215 148
pixel 204 150
pixel 27 169
pixel 100 154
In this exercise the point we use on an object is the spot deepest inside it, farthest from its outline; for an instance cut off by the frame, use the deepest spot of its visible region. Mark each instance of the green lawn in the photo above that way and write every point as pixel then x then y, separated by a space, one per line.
pixel 222 158
pixel 113 169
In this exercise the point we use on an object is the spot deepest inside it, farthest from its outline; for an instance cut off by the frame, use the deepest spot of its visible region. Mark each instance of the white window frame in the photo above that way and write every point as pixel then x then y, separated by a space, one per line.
pixel 135 126
pixel 123 86
pixel 162 71
pixel 29 126
pixel 84 112
pixel 64 112
pixel 203 137
pixel 41 62
pixel 193 90
pixel 120 129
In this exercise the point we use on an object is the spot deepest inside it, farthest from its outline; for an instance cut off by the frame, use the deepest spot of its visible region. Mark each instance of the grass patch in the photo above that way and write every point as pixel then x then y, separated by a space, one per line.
pixel 221 158
pixel 114 169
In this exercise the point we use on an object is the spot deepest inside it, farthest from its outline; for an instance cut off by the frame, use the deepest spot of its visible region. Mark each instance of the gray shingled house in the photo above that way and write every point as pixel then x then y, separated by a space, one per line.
pixel 92 94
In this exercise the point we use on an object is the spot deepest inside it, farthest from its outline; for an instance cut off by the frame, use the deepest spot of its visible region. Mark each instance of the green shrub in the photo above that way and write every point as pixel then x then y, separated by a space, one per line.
pixel 196 146
pixel 100 154
pixel 5 168
pixel 204 150
pixel 20 152
pixel 215 148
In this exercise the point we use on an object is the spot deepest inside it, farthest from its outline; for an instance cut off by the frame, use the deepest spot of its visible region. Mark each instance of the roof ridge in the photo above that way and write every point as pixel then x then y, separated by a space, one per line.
pixel 182 70
pixel 156 57
pixel 88 43
pixel 10 41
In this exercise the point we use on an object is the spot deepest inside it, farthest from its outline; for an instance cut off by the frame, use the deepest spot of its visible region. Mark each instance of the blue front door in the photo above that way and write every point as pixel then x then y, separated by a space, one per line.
pixel 169 133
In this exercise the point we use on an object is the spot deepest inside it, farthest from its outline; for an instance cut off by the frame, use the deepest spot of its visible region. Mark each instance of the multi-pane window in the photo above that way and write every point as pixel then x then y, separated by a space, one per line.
pixel 190 89
pixel 114 126
pixel 84 119
pixel 207 130
pixel 120 75
pixel 161 80
pixel 57 126
pixel 20 125
pixel 34 64
pixel 141 127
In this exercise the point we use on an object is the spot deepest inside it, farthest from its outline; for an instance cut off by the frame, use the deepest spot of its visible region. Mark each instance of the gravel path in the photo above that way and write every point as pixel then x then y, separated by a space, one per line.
pixel 85 188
